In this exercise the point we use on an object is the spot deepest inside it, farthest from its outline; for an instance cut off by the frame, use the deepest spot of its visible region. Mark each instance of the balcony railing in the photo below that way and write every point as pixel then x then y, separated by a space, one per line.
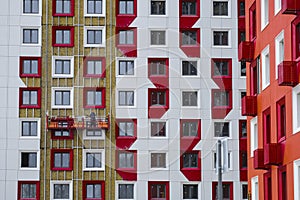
pixel 287 74
pixel 258 159
pixel 246 51
pixel 249 106
pixel 290 6
pixel 273 154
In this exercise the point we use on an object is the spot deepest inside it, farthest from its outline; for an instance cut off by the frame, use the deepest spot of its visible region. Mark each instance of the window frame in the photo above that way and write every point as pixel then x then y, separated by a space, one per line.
pixel 125 183
pixel 62 89
pixel 158 122
pixel 265 67
pixel 38 13
pixel 38 90
pixel 281 120
pixel 126 104
pixel 152 183
pixel 134 8
pixel 279 52
pixel 253 136
pixel 241 136
pixel 255 188
pixel 52 161
pixel 223 122
pixel 134 121
pixel 55 137
pixel 37 120
pixel 295 39
pixel 134 37
pixel 158 166
pixel 55 14
pixel 54 182
pixel 266 126
pixel 282 184
pixel 197 10
pixel 198 167
pixel 296 177
pixel 158 104
pixel 118 66
pixel 220 91
pixel 90 182
pixel 296 107
pixel 214 189
pixel 158 14
pixel 94 89
pixel 229 67
pixel 242 191
pixel 69 58
pixel 63 28
pixel 253 22
pixel 134 156
pixel 189 61
pixel 264 11
pixel 86 59
pixel 102 14
pixel 38 29
pixel 241 69
pixel 94 137
pixel 158 60
pixel 277 6
pixel 31 75
pixel 222 15
pixel 158 44
pixel 101 151
pixel 190 106
pixel 37 193
pixel 228 38
pixel 190 184
pixel 94 28
pixel 267 179
pixel 183 121
pixel 37 167
pixel 191 30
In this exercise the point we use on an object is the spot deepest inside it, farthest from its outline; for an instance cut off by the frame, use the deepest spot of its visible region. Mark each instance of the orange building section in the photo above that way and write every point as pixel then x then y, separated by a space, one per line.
pixel 277 144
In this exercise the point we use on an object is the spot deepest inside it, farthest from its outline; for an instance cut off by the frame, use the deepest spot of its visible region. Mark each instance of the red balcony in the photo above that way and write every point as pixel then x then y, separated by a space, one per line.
pixel 258 160
pixel 249 106
pixel 246 51
pixel 273 154
pixel 290 6
pixel 287 74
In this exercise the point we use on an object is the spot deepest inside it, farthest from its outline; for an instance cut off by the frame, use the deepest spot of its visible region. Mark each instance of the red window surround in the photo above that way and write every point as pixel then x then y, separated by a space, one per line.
pixel 223 81
pixel 267 126
pixel 187 143
pixel 192 174
pixel 281 120
pixel 159 80
pixel 268 185
pixel 252 28
pixel 125 142
pixel 70 137
pixel 63 14
pixel 254 78
pixel 70 151
pixel 225 185
pixel 57 28
pixel 38 105
pixel 129 50
pixel 38 74
pixel 94 89
pixel 129 174
pixel 85 67
pixel 152 192
pixel 165 100
pixel 296 39
pixel 242 130
pixel 124 20
pixel 37 183
pixel 84 190
pixel 190 50
pixel 187 21
pixel 282 183
pixel 229 100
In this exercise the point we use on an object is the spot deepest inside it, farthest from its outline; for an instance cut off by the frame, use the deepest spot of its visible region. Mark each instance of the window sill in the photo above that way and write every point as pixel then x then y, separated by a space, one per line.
pixel 30 106
pixel 61 169
pixel 93 169
pixel 63 15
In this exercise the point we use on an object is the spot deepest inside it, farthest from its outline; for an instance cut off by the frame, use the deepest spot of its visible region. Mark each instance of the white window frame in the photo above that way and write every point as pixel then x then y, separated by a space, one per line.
pixel 198 68
pixel 118 98
pixel 159 168
pixel 253 135
pixel 70 89
pixel 198 99
pixel 87 137
pixel 229 126
pixel 71 59
pixel 94 28
pixel 265 67
pixel 221 16
pixel 94 15
pixel 297 179
pixel 35 14
pixel 70 183
pixel 243 183
pixel 296 108
pixel 279 51
pixel 38 120
pixel 190 183
pixel 159 45
pixel 221 46
pixel 159 15
pixel 118 67
pixel 264 13
pixel 230 159
pixel 125 182
pixel 255 188
pixel 85 151
pixel 277 6
pixel 166 128
pixel 37 168
pixel 39 35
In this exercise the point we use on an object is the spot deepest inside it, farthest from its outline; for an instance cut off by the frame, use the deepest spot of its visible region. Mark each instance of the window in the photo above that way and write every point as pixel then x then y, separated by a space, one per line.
pixel 221 98
pixel 59 134
pixel 189 7
pixel 190 191
pixel 282 183
pixel 245 191
pixel 296 108
pixel 279 51
pixel 125 159
pixel 62 67
pixel 221 67
pixel 227 188
pixel 158 37
pixel 62 97
pixel 265 67
pixel 190 128
pixel 190 98
pixel 30 97
pixel 63 36
pixel 28 160
pixel 220 38
pixel 158 129
pixel 30 66
pixel 158 190
pixel 125 191
pixel 126 128
pixel 296 177
pixel 242 8
pixel 28 190
pixel 94 36
pixel 157 67
pixel 94 67
pixel 281 119
pixel 215 160
pixel 190 160
pixel 189 37
pixel 264 13
pixel 126 67
pixel 243 94
pixel 30 36
pixel 61 190
pixel 255 189
pixel 92 133
pixel 189 68
pixel 277 6
pixel 243 161
pixel 93 190
pixel 220 8
pixel 158 160
pixel 267 185
pixel 126 98
pixel 61 159
pixel 296 38
pixel 243 68
pixel 126 7
pixel 126 37
pixel 243 128
pixel 94 7
pixel 253 136
pixel 242 35
pixel 93 159
pixel 63 7
pixel 266 126
pixel 252 27
pixel 31 6
pixel 29 128
pixel 255 77
pixel 221 129
pixel 158 7
pixel 158 98
pixel 94 98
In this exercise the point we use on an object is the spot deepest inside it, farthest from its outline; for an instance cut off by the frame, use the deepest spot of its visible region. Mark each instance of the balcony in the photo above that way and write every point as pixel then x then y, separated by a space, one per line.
pixel 273 154
pixel 287 74
pixel 290 6
pixel 249 106
pixel 258 159
pixel 246 51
